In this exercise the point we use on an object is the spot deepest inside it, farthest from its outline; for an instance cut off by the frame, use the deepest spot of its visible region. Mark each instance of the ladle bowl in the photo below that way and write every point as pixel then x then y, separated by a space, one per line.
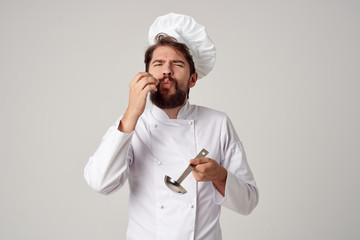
pixel 176 185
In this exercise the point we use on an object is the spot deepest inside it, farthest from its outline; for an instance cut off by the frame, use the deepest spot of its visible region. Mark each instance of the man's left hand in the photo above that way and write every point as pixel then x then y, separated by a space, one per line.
pixel 207 169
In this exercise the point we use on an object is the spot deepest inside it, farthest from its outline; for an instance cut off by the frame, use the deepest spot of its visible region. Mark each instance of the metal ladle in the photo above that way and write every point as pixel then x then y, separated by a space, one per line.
pixel 176 185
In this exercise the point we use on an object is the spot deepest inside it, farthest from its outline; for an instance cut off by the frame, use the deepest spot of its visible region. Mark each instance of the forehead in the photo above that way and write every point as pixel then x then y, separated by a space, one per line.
pixel 167 53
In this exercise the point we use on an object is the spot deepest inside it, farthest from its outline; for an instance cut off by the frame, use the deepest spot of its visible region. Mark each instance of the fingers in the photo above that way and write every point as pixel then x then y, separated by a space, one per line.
pixel 207 169
pixel 142 84
pixel 197 161
pixel 143 76
pixel 139 87
pixel 202 167
pixel 148 83
pixel 140 75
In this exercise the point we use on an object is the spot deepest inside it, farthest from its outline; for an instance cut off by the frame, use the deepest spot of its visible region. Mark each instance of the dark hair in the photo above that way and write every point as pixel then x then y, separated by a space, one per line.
pixel 163 39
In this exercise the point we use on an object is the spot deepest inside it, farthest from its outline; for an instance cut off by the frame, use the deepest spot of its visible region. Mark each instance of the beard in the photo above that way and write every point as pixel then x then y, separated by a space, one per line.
pixel 165 100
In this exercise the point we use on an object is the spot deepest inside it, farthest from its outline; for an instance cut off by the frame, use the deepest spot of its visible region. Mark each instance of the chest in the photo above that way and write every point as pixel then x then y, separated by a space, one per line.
pixel 165 148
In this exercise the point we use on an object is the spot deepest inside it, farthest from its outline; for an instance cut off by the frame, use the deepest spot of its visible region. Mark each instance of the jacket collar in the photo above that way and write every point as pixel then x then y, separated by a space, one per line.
pixel 184 112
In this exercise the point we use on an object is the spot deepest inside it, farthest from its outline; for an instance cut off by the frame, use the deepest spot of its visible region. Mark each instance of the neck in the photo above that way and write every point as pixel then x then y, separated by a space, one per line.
pixel 173 112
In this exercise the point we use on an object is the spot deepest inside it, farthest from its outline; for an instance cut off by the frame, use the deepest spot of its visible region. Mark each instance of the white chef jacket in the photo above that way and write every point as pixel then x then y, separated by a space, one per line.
pixel 161 146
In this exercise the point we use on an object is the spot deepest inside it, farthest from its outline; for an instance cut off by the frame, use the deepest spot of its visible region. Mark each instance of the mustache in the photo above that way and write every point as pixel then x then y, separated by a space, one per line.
pixel 171 79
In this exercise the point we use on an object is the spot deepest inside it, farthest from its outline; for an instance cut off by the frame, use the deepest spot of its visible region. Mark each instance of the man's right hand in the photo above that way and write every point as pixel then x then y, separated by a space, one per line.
pixel 140 86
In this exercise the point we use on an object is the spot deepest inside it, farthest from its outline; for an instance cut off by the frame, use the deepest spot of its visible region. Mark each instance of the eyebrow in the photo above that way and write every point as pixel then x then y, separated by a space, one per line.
pixel 161 61
pixel 157 61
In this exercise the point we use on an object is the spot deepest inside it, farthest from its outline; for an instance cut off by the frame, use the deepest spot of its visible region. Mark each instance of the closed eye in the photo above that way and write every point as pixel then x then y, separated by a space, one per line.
pixel 156 63
pixel 179 63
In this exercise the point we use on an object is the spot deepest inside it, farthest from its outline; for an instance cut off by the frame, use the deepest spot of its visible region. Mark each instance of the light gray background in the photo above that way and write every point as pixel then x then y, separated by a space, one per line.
pixel 287 74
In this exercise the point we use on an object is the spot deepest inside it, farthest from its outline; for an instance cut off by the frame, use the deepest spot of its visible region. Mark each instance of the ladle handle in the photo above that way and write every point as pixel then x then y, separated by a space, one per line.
pixel 189 169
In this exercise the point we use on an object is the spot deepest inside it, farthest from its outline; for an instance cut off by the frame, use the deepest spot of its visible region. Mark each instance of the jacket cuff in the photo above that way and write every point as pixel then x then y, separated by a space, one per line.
pixel 217 196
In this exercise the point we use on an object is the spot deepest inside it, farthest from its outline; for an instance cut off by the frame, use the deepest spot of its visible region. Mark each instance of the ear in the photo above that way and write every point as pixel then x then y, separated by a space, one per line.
pixel 193 79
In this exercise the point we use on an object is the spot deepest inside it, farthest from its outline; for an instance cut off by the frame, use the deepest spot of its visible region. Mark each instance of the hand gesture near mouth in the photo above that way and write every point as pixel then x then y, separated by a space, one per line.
pixel 140 86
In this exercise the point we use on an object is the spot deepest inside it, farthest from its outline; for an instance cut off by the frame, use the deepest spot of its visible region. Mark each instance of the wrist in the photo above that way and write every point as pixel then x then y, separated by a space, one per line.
pixel 128 122
pixel 220 182
pixel 221 176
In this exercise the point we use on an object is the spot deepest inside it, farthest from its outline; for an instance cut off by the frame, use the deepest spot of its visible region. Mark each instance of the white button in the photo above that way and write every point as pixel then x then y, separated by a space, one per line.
pixel 155 126
pixel 190 122
pixel 161 206
pixel 159 162
pixel 191 205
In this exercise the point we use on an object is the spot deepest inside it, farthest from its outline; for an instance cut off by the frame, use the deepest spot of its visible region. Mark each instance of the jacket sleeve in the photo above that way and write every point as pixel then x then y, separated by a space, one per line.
pixel 241 193
pixel 107 169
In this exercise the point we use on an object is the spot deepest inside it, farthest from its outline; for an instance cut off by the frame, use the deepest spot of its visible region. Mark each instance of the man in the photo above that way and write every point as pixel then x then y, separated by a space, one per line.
pixel 144 145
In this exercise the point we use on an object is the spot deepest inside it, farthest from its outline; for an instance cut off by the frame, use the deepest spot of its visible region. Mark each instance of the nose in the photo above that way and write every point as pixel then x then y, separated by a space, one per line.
pixel 167 71
pixel 166 75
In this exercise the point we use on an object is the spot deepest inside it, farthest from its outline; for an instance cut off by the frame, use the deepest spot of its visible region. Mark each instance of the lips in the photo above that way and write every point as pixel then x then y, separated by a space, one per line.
pixel 166 82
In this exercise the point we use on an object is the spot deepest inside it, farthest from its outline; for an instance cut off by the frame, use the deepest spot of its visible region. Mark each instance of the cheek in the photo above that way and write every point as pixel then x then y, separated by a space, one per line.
pixel 183 85
pixel 151 70
pixel 155 73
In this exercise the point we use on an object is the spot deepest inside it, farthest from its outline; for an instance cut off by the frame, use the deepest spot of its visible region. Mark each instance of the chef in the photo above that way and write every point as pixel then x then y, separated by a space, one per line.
pixel 145 144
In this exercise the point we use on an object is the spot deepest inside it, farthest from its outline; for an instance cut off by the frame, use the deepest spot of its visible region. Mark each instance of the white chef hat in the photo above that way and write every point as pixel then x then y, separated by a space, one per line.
pixel 186 30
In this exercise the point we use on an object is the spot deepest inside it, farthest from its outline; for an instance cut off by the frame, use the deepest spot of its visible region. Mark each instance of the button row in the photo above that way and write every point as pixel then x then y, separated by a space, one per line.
pixel 190 122
pixel 190 205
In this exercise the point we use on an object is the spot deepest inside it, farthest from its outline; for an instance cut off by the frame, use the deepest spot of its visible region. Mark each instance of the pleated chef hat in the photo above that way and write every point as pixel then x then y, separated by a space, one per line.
pixel 186 30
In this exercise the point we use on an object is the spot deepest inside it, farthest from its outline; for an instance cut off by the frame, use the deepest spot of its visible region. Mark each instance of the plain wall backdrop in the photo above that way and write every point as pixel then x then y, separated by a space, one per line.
pixel 287 74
